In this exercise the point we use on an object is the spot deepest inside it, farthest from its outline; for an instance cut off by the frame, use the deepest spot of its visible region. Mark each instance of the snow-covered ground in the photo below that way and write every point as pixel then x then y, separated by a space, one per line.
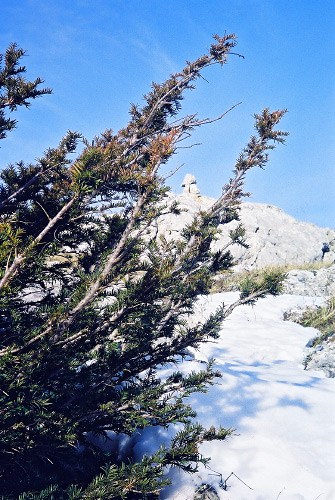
pixel 284 416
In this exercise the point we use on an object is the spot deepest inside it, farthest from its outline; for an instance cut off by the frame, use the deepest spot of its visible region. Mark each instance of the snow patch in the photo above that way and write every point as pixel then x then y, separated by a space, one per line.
pixel 284 445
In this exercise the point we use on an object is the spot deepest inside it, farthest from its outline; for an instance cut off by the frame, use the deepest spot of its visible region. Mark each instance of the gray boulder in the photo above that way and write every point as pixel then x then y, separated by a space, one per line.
pixel 322 357
pixel 314 283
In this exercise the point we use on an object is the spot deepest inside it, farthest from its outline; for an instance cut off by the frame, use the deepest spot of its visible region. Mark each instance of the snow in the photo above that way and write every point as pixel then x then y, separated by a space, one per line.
pixel 284 444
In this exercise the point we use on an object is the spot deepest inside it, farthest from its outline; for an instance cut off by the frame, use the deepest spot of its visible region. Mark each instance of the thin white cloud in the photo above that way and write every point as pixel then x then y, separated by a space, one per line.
pixel 151 52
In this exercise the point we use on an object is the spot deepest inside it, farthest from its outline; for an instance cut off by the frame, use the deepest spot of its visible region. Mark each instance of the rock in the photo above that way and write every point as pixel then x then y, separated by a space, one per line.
pixel 274 237
pixel 190 186
pixel 322 357
pixel 314 283
pixel 206 492
pixel 320 349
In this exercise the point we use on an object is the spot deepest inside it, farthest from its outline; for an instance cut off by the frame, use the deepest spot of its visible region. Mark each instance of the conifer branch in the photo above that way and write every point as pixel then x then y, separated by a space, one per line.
pixel 82 356
pixel 20 258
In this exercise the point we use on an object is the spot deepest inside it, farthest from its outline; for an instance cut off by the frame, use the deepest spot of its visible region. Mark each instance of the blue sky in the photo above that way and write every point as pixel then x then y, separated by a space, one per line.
pixel 101 55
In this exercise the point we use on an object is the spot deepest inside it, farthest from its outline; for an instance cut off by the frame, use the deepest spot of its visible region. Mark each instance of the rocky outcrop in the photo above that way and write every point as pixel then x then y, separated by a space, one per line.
pixel 322 357
pixel 313 283
pixel 190 186
pixel 274 237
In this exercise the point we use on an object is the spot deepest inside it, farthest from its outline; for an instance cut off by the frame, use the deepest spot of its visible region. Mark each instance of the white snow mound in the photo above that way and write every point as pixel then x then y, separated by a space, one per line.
pixel 284 446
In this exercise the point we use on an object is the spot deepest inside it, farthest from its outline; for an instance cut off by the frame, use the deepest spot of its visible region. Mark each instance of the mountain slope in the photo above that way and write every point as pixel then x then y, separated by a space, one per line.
pixel 274 237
